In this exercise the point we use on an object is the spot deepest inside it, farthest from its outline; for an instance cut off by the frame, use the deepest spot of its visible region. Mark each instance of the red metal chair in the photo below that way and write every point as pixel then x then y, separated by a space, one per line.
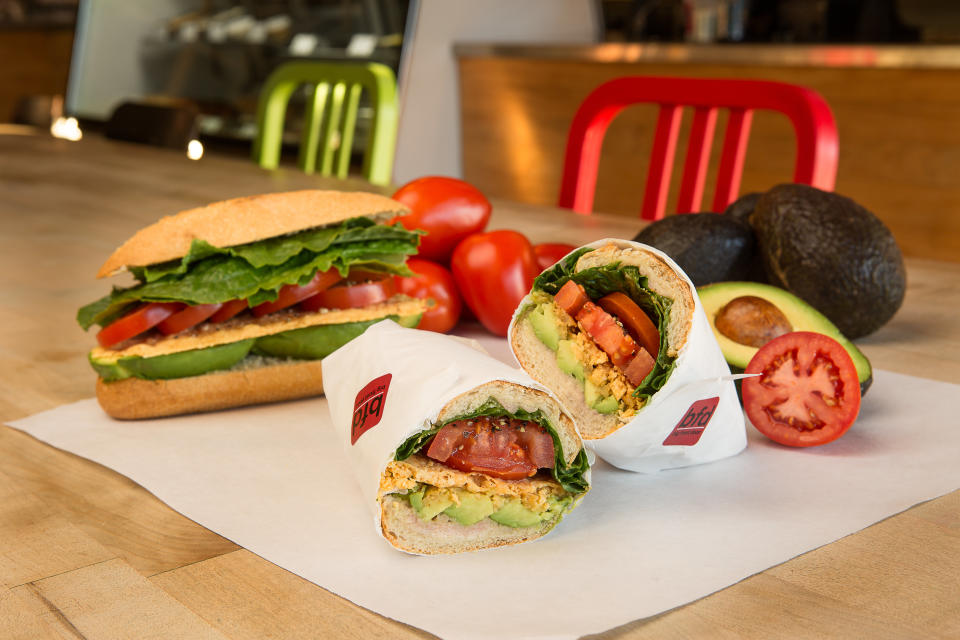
pixel 812 120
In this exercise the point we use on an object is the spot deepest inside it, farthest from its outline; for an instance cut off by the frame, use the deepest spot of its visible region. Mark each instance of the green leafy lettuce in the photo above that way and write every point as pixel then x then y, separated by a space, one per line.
pixel 258 270
pixel 571 477
pixel 626 279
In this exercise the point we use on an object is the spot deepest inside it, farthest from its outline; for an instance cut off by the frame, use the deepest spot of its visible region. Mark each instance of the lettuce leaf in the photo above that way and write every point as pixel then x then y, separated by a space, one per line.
pixel 610 278
pixel 257 271
pixel 571 477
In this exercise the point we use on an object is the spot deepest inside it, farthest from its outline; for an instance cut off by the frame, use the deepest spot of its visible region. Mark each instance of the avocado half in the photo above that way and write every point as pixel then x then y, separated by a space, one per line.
pixel 800 315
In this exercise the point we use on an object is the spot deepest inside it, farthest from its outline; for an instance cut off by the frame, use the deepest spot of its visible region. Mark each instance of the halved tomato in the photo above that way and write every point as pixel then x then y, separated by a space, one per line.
pixel 135 323
pixel 228 310
pixel 637 322
pixel 351 296
pixel 186 318
pixel 498 447
pixel 807 392
pixel 291 294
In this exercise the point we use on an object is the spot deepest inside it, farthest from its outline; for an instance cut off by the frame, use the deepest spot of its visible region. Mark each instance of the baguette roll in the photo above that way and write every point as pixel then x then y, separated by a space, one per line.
pixel 246 251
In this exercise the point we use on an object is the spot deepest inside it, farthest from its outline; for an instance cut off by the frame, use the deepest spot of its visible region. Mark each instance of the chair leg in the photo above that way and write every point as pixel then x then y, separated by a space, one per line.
pixel 331 130
pixel 313 119
pixel 348 129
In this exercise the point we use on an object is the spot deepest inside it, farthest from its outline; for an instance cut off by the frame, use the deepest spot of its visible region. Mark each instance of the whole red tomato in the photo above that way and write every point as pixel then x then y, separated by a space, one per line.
pixel 432 280
pixel 494 271
pixel 549 253
pixel 448 209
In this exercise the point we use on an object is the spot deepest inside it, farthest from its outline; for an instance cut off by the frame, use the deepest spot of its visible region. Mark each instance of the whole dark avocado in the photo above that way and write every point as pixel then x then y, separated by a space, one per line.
pixel 707 246
pixel 741 208
pixel 833 253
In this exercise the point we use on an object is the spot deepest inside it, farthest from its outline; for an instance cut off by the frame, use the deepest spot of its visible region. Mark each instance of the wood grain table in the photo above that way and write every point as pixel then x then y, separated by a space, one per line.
pixel 86 553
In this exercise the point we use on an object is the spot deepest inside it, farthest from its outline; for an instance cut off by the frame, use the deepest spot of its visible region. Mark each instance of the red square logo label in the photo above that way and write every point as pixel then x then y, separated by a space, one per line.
pixel 694 421
pixel 369 405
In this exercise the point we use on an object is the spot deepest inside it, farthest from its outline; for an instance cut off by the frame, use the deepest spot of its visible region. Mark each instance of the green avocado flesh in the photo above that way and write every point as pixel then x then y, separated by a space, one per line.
pixel 800 315
pixel 311 343
pixel 470 508
pixel 550 331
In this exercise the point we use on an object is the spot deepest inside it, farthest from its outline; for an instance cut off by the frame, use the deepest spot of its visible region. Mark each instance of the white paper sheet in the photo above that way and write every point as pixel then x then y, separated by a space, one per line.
pixel 274 480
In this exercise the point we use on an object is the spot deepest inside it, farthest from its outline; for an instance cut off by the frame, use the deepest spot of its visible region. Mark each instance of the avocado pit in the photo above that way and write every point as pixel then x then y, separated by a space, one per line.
pixel 752 321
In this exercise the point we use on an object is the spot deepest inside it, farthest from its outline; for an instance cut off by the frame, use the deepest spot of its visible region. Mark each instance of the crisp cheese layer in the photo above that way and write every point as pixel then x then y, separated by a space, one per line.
pixel 211 335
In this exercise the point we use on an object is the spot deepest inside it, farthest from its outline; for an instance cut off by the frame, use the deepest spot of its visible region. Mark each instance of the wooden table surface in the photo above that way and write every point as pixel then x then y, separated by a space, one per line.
pixel 86 553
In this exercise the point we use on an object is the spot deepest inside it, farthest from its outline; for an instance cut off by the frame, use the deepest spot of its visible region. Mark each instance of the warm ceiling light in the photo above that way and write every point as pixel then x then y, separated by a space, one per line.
pixel 194 149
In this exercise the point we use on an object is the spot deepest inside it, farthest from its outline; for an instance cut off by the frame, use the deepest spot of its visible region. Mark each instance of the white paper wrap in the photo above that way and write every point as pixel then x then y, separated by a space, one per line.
pixel 426 370
pixel 694 418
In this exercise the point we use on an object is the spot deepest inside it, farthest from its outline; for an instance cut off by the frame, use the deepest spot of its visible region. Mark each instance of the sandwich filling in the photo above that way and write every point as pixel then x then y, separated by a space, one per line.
pixel 300 295
pixel 607 329
pixel 490 463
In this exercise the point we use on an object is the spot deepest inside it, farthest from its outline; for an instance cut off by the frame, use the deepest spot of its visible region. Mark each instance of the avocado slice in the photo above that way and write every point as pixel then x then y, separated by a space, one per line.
pixel 568 362
pixel 309 343
pixel 315 343
pixel 512 513
pixel 800 315
pixel 546 326
pixel 473 507
pixel 174 365
pixel 429 501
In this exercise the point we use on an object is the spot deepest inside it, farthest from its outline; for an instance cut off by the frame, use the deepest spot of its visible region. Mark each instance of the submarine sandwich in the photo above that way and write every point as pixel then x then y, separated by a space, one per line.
pixel 236 302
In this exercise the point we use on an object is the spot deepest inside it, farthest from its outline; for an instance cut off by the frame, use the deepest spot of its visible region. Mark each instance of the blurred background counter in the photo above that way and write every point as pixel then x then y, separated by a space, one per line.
pixel 897 109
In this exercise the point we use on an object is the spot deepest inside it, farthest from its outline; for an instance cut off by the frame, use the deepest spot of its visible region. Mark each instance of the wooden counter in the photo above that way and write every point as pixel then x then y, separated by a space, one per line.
pixel 86 553
pixel 897 111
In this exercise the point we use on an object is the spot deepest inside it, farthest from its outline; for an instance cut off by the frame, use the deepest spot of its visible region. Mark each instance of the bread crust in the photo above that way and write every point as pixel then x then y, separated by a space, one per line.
pixel 135 399
pixel 243 220
pixel 404 530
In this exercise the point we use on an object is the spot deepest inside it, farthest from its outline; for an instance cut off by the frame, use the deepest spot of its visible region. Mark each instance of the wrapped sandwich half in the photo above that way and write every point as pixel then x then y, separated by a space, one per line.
pixel 454 450
pixel 616 331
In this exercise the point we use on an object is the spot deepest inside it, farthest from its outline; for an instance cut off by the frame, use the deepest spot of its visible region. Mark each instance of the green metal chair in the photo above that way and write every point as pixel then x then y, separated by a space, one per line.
pixel 331 117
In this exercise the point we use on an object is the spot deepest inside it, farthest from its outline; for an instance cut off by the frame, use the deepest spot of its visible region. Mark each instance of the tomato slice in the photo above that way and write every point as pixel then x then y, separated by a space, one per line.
pixel 186 318
pixel 291 294
pixel 133 324
pixel 571 297
pixel 637 322
pixel 607 334
pixel 352 296
pixel 639 367
pixel 498 447
pixel 807 392
pixel 229 310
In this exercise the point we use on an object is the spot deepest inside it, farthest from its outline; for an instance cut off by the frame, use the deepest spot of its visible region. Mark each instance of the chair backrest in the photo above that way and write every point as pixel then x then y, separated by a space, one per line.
pixel 813 123
pixel 331 117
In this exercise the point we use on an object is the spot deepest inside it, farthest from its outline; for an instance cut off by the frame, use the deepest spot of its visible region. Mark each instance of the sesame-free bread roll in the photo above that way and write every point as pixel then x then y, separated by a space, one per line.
pixel 243 220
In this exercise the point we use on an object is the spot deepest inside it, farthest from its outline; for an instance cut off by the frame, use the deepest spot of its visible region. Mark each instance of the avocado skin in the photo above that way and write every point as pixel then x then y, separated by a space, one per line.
pixel 741 208
pixel 708 247
pixel 833 253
